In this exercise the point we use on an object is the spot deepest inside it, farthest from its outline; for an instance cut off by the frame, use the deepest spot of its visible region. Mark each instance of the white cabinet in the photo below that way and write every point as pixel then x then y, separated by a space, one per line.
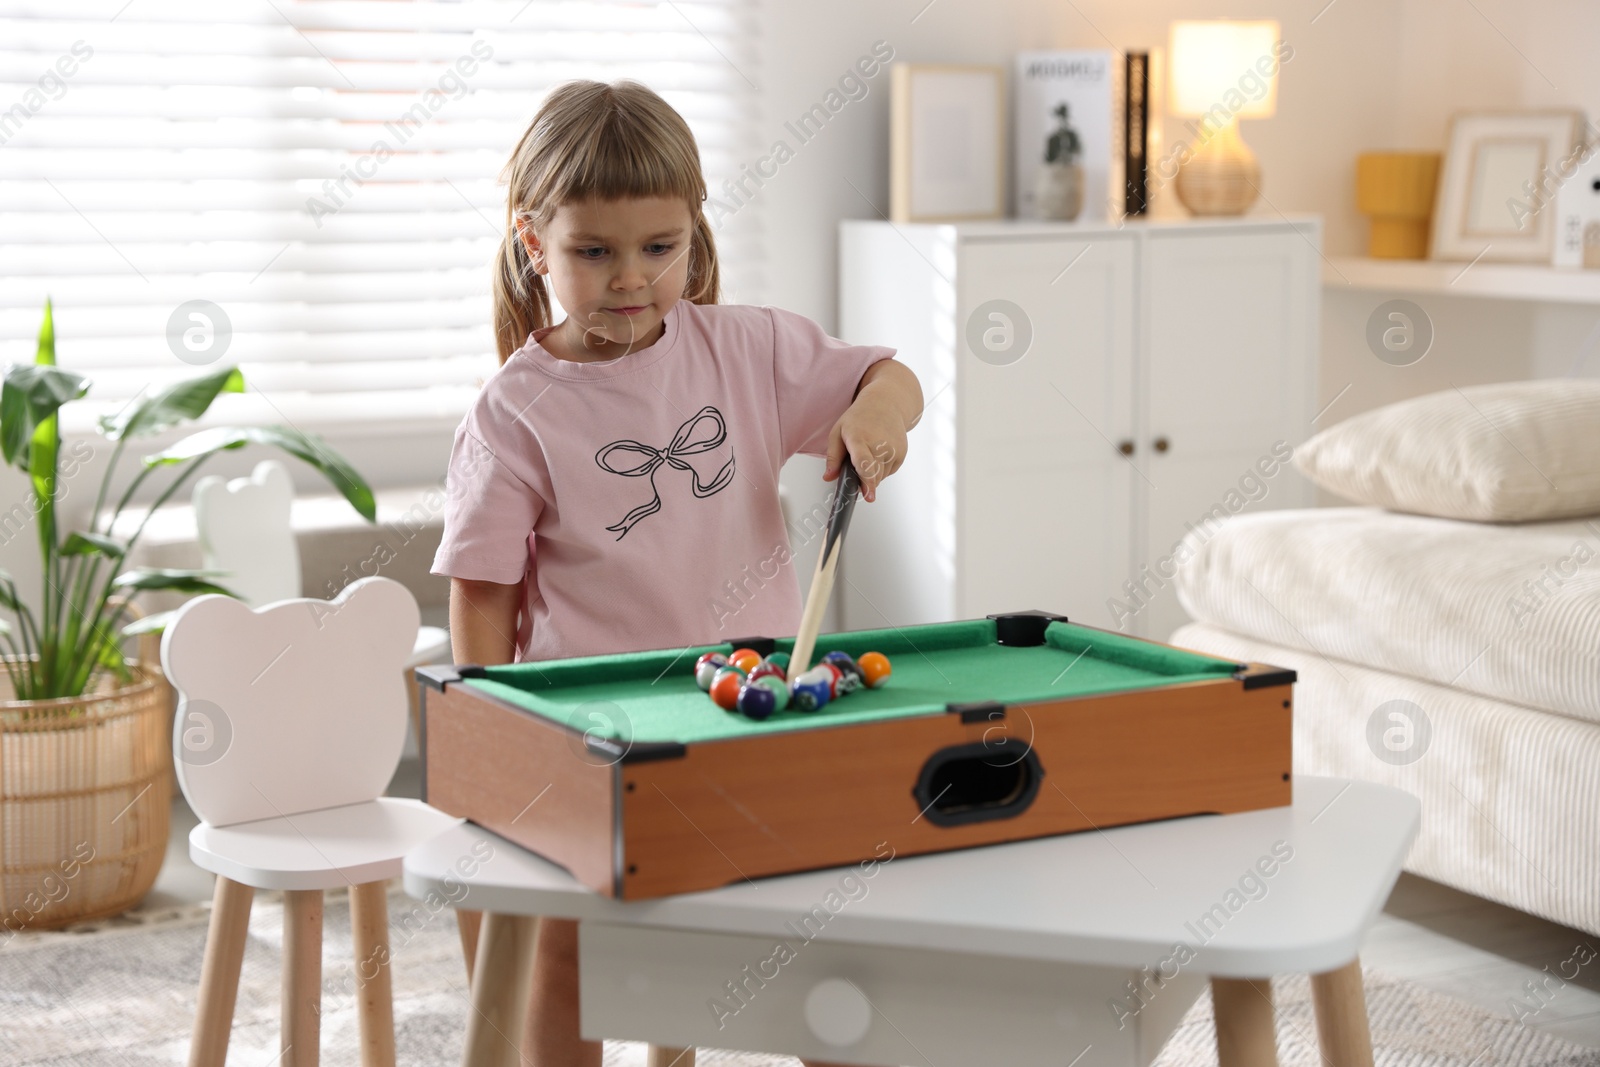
pixel 1091 393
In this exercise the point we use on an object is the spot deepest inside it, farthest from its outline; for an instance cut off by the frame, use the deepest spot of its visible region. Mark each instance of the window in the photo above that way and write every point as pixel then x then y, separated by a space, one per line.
pixel 309 189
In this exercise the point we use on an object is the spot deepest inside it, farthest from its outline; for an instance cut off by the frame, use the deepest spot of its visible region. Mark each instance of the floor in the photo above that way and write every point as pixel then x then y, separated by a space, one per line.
pixel 1446 940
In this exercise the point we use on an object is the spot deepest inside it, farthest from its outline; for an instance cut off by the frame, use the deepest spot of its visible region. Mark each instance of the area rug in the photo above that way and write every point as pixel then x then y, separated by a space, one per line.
pixel 121 993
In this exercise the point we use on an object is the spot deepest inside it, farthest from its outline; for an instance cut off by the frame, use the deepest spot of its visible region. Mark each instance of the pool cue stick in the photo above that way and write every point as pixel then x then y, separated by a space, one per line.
pixel 844 503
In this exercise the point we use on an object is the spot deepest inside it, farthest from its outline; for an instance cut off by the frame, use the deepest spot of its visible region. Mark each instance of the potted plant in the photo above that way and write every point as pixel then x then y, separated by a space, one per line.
pixel 85 733
pixel 1058 191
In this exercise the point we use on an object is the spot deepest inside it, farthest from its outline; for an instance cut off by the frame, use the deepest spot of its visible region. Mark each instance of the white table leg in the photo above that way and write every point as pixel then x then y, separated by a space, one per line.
pixel 1243 1011
pixel 1342 1028
pixel 502 980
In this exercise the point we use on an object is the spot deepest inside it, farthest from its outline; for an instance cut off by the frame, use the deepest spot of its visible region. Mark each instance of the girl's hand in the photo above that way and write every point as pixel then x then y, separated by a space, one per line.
pixel 873 429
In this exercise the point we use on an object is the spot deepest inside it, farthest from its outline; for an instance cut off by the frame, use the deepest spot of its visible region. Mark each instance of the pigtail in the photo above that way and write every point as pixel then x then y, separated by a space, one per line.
pixel 705 277
pixel 521 303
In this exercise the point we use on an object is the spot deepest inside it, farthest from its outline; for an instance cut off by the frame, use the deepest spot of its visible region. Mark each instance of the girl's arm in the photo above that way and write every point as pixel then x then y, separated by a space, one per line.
pixel 483 621
pixel 873 429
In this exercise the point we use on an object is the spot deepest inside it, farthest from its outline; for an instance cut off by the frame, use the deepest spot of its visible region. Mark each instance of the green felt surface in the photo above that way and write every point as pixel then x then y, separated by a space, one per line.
pixel 652 696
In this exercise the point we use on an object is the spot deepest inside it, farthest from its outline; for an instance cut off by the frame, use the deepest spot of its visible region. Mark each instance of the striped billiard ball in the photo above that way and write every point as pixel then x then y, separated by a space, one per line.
pixel 810 691
pixel 706 668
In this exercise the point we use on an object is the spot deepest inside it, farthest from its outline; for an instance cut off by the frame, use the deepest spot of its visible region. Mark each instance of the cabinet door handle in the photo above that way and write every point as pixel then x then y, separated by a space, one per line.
pixel 1161 444
pixel 1125 447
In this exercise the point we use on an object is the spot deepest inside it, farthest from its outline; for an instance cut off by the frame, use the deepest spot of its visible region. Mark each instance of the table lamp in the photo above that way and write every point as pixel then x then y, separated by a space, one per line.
pixel 1222 72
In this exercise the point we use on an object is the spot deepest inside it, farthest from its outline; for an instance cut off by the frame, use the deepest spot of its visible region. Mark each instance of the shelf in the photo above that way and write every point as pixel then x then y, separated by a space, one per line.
pixel 1494 281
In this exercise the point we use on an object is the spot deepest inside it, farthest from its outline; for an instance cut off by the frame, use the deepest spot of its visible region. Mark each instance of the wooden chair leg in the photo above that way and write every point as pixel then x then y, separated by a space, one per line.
pixel 369 926
pixel 219 974
pixel 1341 1006
pixel 669 1057
pixel 502 979
pixel 300 1039
pixel 1243 1011
pixel 467 925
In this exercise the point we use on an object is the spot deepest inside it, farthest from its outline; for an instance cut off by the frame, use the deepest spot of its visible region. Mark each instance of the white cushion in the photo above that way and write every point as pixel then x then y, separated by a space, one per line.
pixel 1510 613
pixel 1510 452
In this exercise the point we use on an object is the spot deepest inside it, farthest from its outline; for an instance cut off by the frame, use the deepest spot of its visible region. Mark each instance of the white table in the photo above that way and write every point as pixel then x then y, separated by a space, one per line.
pixel 1020 953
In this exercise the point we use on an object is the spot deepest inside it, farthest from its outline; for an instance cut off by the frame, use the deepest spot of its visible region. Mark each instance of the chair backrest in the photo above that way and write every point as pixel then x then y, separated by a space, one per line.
pixel 244 529
pixel 294 707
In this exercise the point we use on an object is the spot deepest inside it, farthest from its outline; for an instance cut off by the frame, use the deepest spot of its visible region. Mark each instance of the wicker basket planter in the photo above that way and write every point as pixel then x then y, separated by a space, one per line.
pixel 85 801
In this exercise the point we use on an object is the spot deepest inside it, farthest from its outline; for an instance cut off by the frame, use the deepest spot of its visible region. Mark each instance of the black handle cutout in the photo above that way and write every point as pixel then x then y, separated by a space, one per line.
pixel 978 782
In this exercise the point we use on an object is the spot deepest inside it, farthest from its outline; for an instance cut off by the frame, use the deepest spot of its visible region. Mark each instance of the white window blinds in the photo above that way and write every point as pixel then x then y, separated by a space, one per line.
pixel 321 174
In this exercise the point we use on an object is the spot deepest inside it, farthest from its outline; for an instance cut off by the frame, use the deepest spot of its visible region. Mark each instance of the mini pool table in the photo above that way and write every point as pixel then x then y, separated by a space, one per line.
pixel 1021 725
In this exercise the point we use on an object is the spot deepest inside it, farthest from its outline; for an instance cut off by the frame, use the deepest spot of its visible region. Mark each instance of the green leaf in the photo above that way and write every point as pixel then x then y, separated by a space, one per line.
pixel 93 544
pixel 177 403
pixel 177 579
pixel 43 447
pixel 30 396
pixel 8 585
pixel 47 336
pixel 149 624
pixel 304 446
pixel 110 657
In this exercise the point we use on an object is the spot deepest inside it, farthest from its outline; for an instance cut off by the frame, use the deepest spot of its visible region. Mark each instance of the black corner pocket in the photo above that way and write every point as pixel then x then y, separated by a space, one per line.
pixel 978 782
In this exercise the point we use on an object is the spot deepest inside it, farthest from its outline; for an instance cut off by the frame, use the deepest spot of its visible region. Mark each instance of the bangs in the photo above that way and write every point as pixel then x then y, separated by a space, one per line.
pixel 626 154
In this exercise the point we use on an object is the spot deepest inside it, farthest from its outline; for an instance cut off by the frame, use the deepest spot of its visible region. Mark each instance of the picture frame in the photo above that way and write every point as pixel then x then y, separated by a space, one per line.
pixel 1578 213
pixel 1483 210
pixel 947 142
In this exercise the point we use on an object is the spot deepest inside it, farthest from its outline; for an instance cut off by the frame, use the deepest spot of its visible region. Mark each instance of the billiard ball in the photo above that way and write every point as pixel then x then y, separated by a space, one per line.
pixel 706 667
pixel 757 701
pixel 853 678
pixel 779 660
pixel 808 693
pixel 874 668
pixel 725 687
pixel 745 659
pixel 832 673
pixel 765 669
pixel 780 688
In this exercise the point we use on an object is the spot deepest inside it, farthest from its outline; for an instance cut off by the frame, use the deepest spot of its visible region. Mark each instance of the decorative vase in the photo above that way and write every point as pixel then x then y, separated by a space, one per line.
pixel 85 800
pixel 1058 191
pixel 1396 190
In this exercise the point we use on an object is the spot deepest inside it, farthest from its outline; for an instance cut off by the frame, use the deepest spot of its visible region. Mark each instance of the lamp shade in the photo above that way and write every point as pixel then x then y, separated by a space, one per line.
pixel 1231 66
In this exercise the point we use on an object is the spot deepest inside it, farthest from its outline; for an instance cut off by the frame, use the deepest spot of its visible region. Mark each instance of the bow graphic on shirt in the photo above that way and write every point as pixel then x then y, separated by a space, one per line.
pixel 682 445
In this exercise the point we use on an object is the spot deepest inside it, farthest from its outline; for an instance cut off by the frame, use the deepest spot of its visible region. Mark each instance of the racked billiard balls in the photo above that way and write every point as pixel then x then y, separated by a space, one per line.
pixel 745 659
pixel 779 660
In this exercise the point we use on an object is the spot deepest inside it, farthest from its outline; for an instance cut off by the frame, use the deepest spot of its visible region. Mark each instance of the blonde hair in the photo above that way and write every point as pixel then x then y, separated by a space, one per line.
pixel 600 141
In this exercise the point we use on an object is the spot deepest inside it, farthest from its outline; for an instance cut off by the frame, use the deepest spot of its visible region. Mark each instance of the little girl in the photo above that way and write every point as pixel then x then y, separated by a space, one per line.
pixel 615 485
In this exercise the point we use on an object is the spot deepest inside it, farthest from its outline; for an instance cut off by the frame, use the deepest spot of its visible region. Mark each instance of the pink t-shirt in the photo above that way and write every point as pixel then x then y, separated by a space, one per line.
pixel 639 495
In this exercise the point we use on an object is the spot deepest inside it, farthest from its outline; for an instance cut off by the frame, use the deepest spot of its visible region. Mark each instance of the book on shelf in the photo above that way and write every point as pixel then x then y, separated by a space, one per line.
pixel 1085 131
